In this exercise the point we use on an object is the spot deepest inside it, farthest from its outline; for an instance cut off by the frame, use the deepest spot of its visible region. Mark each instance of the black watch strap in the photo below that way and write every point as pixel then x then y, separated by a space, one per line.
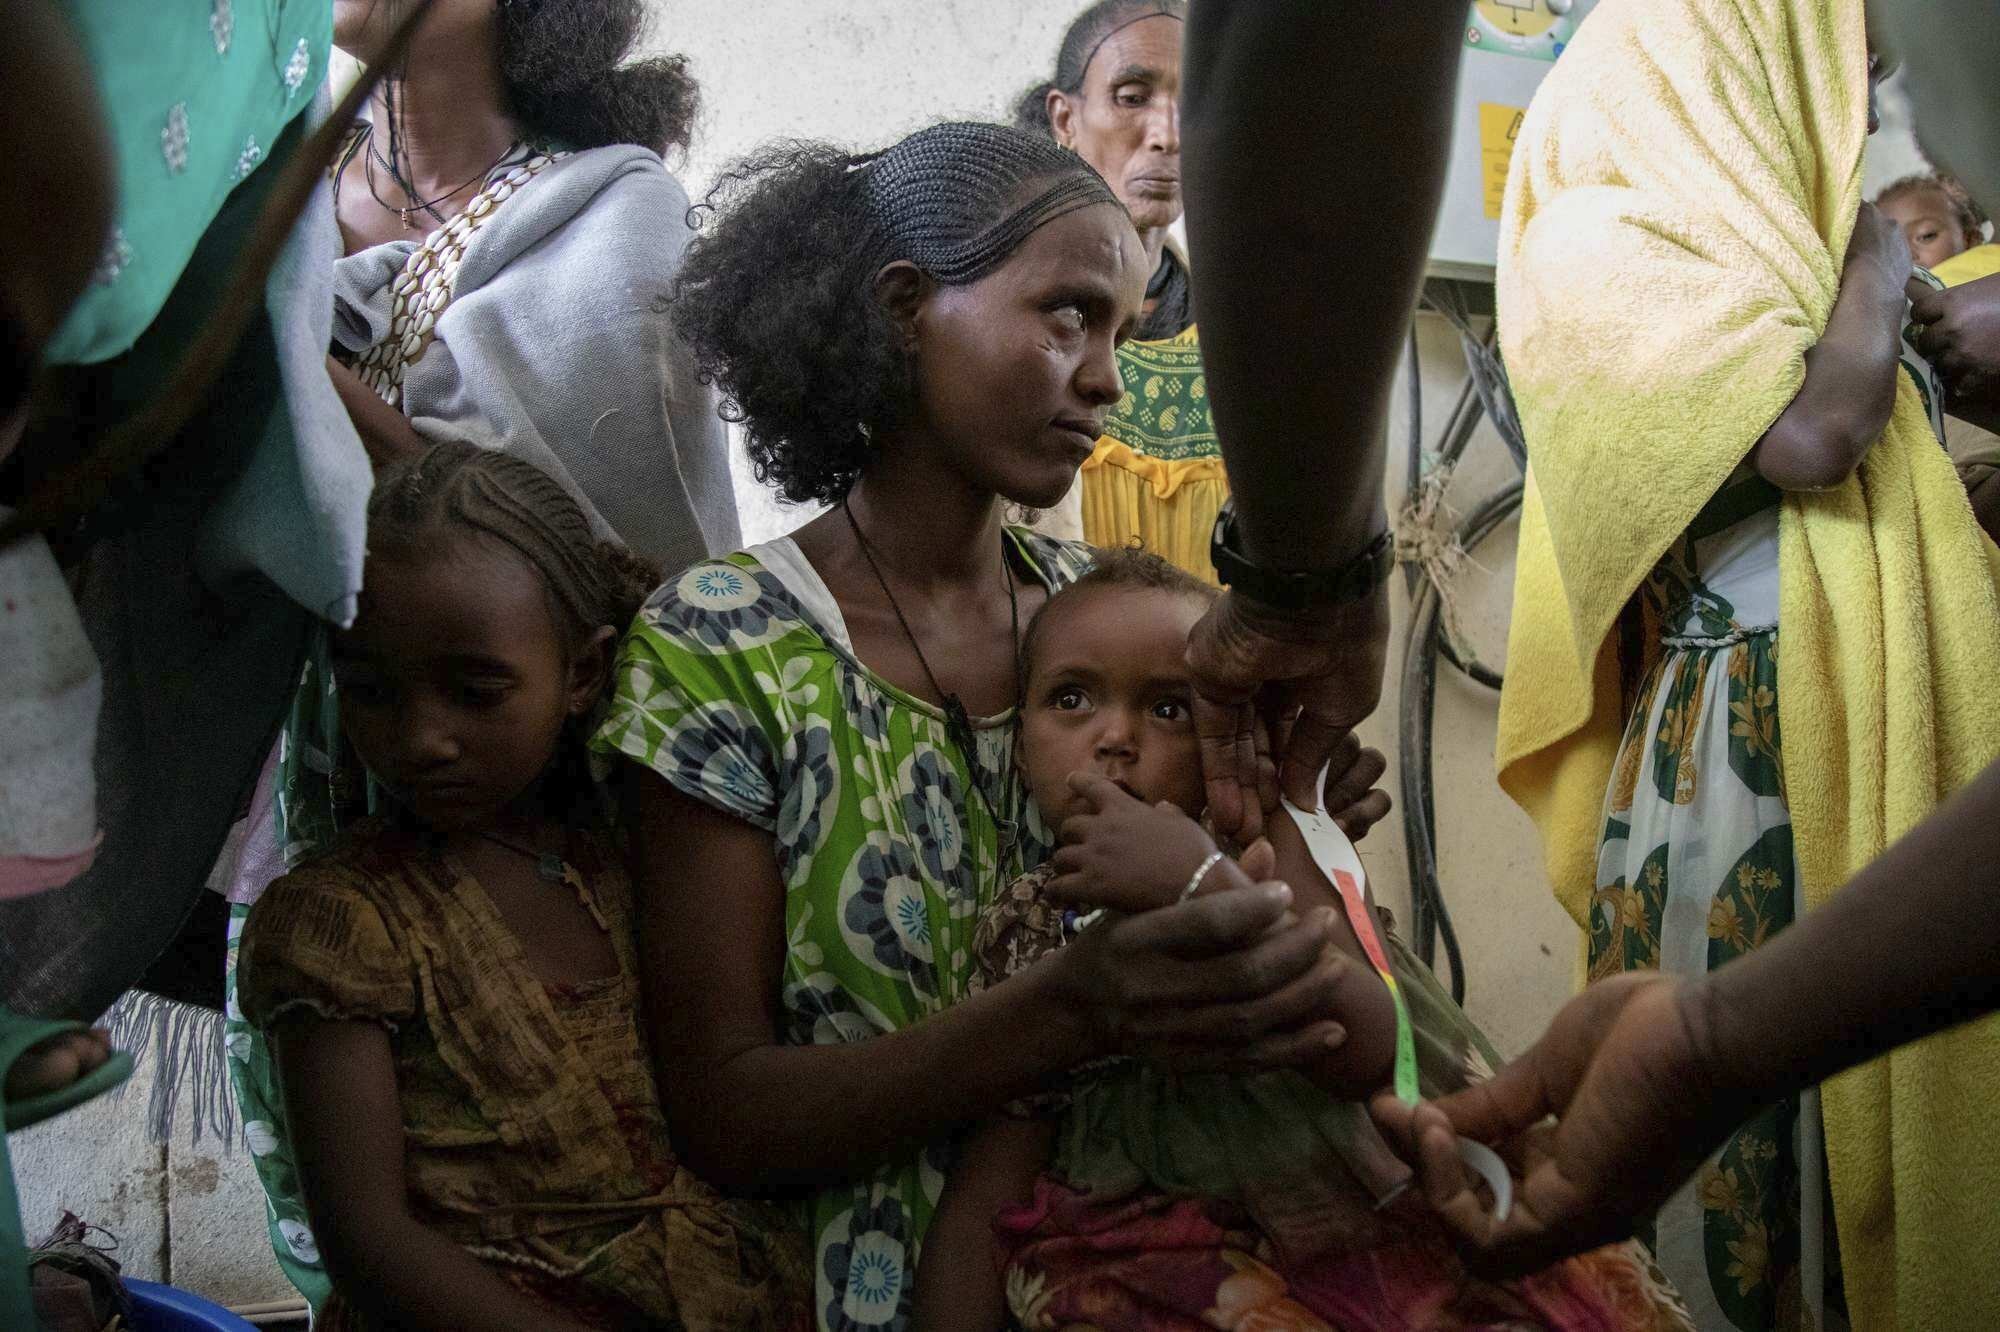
pixel 1297 589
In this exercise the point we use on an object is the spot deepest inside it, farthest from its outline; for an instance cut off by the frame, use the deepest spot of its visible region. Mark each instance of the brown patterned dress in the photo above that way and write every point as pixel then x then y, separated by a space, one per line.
pixel 533 1134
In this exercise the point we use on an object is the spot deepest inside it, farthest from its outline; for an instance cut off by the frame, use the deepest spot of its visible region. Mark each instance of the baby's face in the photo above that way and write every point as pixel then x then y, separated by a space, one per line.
pixel 1930 224
pixel 1108 693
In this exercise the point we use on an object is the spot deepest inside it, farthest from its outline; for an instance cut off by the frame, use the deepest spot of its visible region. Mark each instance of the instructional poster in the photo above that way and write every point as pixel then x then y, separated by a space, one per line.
pixel 1531 29
pixel 1499 127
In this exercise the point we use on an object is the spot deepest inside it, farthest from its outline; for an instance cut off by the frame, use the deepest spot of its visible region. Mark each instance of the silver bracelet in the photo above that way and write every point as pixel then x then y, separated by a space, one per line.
pixel 1194 883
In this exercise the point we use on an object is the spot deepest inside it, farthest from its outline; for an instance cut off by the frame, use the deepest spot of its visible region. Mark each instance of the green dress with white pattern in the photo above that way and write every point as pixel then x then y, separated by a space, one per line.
pixel 738 685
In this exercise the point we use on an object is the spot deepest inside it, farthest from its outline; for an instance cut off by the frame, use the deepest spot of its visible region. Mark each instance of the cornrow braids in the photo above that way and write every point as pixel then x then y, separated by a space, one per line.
pixel 456 485
pixel 985 167
pixel 778 303
pixel 1131 569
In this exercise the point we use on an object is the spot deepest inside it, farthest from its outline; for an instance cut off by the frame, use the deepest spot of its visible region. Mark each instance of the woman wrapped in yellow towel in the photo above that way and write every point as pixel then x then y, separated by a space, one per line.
pixel 1755 625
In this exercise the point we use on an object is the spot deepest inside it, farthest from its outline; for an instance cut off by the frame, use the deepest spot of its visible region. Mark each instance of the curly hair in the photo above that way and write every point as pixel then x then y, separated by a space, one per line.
pixel 1130 569
pixel 1971 218
pixel 562 62
pixel 1086 32
pixel 778 301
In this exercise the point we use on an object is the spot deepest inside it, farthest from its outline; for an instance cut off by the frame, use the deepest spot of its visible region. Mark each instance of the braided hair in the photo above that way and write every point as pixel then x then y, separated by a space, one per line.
pixel 1969 216
pixel 1086 33
pixel 778 300
pixel 455 488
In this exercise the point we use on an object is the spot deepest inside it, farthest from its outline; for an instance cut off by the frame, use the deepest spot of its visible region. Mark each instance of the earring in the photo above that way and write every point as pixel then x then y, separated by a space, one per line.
pixel 867 435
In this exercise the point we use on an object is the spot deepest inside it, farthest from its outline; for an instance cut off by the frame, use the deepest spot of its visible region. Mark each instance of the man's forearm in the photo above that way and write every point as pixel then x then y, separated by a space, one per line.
pixel 1314 148
pixel 1909 947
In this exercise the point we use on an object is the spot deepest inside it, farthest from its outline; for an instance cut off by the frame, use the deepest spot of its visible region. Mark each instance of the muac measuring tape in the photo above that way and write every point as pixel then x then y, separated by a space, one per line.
pixel 1336 857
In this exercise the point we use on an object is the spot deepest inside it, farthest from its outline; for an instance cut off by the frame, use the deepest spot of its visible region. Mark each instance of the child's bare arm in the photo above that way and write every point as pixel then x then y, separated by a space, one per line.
pixel 960 1287
pixel 346 1127
pixel 1364 1062
pixel 1131 856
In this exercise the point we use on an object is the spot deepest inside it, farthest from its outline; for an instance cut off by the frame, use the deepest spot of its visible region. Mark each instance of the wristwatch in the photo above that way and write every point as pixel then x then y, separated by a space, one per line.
pixel 1297 589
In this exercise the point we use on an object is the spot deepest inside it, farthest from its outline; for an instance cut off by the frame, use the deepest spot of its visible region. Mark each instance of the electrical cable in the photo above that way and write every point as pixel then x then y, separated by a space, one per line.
pixel 1431 918
pixel 1484 395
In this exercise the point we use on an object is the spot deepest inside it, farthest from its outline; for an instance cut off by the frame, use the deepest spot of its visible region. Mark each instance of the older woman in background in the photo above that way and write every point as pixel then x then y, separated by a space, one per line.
pixel 1156 477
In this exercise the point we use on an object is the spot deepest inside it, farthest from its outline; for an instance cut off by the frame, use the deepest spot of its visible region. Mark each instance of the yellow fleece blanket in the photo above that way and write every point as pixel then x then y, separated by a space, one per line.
pixel 1682 193
pixel 1969 265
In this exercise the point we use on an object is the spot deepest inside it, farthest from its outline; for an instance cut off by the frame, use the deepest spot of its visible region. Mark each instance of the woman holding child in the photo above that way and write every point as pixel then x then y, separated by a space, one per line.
pixel 825 788
pixel 821 726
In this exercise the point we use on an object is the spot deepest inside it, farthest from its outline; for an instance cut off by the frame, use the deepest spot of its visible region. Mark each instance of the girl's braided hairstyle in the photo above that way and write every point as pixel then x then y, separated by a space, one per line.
pixel 778 300
pixel 459 486
pixel 456 487
pixel 1969 216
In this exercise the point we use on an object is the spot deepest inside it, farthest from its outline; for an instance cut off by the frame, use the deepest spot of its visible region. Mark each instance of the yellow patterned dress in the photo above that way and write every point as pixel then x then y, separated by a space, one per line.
pixel 532 1129
pixel 1156 478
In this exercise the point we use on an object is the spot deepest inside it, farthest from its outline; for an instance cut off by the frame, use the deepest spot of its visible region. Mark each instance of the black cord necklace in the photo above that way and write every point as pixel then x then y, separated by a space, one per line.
pixel 957 721
pixel 406 214
pixel 552 867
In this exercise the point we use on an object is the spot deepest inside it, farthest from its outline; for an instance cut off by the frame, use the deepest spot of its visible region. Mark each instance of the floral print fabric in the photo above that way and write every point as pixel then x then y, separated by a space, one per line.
pixel 1695 868
pixel 738 685
pixel 1155 1264
pixel 1182 1198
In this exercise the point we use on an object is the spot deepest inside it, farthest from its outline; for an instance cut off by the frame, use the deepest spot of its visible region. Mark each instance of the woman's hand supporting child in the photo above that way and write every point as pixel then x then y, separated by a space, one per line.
pixel 1128 856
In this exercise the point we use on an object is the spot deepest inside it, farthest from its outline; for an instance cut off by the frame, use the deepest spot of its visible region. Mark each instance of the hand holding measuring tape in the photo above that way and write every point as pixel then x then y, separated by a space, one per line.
pixel 1340 863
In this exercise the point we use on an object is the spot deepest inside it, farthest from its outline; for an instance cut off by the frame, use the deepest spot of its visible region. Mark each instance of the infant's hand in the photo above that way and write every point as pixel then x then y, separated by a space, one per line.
pixel 1125 854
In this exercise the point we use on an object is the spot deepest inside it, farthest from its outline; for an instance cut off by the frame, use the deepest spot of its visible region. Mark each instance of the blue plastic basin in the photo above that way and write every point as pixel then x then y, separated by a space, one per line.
pixel 157 1308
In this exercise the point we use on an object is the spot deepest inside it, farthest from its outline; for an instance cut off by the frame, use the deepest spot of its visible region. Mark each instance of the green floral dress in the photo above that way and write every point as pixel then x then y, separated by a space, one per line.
pixel 1696 868
pixel 738 684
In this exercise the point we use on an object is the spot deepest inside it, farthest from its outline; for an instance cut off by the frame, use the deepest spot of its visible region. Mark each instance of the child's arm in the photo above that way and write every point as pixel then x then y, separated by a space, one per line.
pixel 1131 856
pixel 960 1287
pixel 1364 1063
pixel 346 1128
pixel 1850 385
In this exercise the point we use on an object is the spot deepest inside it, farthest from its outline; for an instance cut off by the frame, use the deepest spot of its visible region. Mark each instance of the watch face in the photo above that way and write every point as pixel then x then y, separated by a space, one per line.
pixel 1536 29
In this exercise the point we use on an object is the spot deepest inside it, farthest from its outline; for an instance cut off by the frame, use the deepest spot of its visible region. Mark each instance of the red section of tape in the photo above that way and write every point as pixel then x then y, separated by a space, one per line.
pixel 1361 919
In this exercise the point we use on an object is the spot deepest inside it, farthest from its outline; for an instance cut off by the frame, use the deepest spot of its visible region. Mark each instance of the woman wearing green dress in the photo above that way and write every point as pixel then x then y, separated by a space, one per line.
pixel 818 730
